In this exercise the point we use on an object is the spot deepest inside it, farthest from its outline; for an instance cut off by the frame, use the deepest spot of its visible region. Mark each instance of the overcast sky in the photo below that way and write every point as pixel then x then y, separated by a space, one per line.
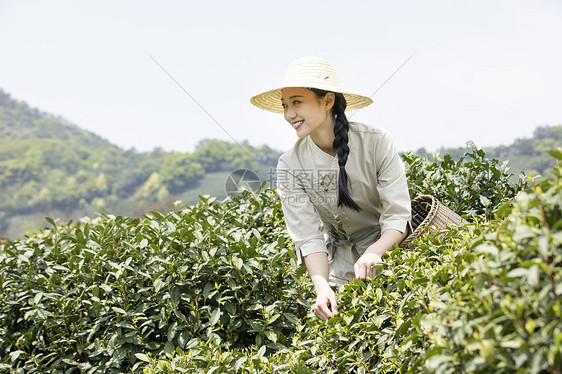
pixel 483 70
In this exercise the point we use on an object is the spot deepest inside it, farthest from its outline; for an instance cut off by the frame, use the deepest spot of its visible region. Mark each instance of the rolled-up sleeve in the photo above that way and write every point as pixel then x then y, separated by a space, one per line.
pixel 392 186
pixel 301 218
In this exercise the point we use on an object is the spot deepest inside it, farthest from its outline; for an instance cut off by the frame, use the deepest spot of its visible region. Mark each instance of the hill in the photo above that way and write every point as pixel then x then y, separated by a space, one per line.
pixel 20 122
pixel 529 155
pixel 50 167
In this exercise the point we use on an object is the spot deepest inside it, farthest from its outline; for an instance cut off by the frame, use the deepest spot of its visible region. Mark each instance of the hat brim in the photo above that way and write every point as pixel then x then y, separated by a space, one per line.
pixel 271 100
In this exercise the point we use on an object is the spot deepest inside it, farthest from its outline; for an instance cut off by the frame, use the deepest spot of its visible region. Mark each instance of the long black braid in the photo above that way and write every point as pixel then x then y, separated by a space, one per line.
pixel 341 128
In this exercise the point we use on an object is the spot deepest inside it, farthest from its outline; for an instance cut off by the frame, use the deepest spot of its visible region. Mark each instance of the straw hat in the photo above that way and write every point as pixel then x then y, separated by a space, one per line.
pixel 310 72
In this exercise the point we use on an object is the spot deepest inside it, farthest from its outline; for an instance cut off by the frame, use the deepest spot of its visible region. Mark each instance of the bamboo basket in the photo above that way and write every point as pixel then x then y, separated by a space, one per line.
pixel 429 216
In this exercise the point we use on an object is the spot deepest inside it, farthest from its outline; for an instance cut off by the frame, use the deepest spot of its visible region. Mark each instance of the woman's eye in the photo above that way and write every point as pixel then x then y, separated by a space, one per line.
pixel 284 106
pixel 296 102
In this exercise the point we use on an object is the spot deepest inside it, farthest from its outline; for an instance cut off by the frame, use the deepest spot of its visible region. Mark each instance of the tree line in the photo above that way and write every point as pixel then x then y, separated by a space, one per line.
pixel 49 165
pixel 529 155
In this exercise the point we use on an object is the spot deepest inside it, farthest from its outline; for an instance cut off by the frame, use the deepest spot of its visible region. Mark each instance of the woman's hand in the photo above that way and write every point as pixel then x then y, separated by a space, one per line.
pixel 364 266
pixel 326 305
pixel 373 255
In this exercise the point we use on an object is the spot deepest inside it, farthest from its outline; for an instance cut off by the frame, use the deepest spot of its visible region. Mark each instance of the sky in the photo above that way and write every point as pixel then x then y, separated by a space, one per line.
pixel 168 74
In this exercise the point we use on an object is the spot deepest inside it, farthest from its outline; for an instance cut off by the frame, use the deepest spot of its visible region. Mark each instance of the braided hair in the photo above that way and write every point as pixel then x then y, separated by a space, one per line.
pixel 341 128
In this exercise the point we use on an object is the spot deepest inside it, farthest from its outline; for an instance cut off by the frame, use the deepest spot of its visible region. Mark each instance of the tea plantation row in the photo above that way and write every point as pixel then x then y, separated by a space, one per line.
pixel 485 299
pixel 215 288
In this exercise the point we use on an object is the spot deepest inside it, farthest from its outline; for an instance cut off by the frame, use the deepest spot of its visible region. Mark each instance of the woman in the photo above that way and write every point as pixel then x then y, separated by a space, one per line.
pixel 342 186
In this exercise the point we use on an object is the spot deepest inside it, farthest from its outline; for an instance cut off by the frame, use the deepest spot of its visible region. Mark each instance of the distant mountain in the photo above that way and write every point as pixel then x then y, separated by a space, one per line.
pixel 529 155
pixel 50 167
pixel 19 122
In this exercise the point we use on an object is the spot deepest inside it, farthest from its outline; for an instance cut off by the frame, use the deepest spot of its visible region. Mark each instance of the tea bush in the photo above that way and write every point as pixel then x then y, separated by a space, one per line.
pixel 484 299
pixel 472 186
pixel 214 287
pixel 97 296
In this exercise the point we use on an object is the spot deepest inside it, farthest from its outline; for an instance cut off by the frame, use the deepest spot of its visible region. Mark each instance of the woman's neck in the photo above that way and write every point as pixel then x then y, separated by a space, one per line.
pixel 323 137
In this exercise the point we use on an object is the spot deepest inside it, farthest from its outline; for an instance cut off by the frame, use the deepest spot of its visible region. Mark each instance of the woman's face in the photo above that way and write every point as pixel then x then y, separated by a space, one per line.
pixel 307 113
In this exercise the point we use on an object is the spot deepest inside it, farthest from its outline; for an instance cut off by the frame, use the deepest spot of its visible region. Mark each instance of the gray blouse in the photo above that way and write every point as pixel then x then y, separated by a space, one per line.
pixel 307 185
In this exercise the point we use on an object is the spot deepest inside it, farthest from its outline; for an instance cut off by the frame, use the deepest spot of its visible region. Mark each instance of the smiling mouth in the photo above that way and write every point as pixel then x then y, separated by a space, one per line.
pixel 297 125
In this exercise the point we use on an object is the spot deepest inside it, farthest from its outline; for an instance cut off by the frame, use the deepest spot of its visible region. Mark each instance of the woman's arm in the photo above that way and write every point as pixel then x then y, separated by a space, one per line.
pixel 317 265
pixel 373 254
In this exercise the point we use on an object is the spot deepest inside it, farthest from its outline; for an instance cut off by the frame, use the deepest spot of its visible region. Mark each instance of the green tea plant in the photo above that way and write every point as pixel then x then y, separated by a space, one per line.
pixel 472 186
pixel 503 311
pixel 214 287
pixel 486 298
pixel 96 296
